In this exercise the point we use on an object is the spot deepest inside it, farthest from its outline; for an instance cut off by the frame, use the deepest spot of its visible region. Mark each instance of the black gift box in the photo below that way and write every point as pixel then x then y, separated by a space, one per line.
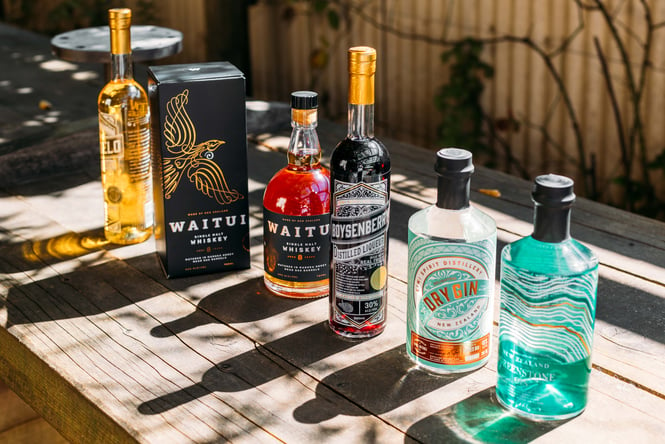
pixel 199 149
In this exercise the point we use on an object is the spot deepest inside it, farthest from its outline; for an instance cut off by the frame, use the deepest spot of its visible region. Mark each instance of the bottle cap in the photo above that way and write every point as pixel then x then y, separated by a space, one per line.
pixel 304 100
pixel 120 18
pixel 453 161
pixel 553 190
pixel 362 60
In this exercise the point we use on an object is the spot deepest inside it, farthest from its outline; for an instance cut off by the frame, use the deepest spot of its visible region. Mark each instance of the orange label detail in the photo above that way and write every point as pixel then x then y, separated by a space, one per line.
pixel 450 353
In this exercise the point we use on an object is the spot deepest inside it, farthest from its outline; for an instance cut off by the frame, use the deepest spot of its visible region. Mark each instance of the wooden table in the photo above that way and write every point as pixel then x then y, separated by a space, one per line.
pixel 106 349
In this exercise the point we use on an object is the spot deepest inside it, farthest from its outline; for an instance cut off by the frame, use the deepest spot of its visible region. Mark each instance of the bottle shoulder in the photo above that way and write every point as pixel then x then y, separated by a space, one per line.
pixel 117 91
pixel 298 191
pixel 569 257
pixel 468 225
pixel 360 151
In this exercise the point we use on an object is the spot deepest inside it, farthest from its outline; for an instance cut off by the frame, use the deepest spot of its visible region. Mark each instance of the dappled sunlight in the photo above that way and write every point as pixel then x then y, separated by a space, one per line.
pixel 56 65
pixel 64 247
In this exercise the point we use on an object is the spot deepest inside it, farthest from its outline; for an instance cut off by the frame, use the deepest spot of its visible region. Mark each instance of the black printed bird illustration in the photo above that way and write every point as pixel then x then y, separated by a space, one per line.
pixel 191 158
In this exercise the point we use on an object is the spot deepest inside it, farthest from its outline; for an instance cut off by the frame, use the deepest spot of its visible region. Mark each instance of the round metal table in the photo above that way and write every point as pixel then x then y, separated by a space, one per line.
pixel 92 45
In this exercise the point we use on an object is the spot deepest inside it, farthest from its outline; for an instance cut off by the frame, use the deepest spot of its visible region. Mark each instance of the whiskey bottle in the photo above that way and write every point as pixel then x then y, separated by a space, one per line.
pixel 124 137
pixel 452 257
pixel 548 304
pixel 360 181
pixel 296 211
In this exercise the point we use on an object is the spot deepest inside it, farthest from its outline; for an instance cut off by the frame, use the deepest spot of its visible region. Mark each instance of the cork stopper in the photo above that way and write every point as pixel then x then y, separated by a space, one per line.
pixel 362 67
pixel 120 20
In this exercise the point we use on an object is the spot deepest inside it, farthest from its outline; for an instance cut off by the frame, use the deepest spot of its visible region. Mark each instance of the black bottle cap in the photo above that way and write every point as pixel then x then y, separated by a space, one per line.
pixel 552 190
pixel 304 100
pixel 454 167
pixel 453 161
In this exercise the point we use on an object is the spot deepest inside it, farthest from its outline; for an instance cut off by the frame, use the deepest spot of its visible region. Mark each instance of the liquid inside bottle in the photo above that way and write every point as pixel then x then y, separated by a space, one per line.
pixel 124 135
pixel 548 302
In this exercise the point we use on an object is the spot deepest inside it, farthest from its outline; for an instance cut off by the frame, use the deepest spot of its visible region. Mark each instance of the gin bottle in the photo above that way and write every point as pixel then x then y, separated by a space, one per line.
pixel 452 256
pixel 296 211
pixel 548 304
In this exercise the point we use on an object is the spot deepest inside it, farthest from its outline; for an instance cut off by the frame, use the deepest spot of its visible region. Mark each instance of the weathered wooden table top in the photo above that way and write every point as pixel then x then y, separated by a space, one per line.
pixel 106 349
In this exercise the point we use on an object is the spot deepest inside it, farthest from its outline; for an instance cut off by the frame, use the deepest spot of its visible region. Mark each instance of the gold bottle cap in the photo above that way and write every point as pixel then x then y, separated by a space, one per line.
pixel 362 66
pixel 120 20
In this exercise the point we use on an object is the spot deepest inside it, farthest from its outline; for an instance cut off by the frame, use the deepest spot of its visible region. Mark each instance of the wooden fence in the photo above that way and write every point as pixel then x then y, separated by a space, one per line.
pixel 531 45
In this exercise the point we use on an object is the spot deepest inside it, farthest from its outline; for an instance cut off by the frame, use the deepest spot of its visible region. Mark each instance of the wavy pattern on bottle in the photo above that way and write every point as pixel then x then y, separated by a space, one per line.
pixel 548 314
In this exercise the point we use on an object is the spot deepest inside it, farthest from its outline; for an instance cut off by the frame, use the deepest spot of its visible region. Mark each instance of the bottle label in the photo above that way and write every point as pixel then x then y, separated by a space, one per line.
pixel 296 248
pixel 359 234
pixel 450 299
pixel 553 314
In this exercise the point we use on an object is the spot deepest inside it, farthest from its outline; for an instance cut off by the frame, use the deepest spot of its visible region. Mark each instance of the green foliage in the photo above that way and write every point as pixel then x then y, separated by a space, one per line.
pixel 459 100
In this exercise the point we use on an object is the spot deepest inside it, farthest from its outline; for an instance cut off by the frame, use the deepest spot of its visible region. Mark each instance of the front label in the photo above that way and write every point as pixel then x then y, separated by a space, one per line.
pixel 296 248
pixel 450 294
pixel 359 235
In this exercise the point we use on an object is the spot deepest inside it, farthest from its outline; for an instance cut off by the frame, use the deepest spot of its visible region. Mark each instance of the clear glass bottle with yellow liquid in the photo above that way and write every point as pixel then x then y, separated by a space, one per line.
pixel 124 138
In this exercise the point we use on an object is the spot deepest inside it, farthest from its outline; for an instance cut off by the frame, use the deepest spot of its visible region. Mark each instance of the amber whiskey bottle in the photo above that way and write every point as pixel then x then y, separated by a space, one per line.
pixel 296 211
pixel 360 181
pixel 124 137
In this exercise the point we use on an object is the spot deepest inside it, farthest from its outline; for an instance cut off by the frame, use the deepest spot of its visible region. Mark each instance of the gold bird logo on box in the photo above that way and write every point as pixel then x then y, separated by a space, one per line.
pixel 191 158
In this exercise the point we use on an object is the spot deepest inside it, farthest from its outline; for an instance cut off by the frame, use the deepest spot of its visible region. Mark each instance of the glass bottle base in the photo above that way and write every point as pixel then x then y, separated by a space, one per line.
pixel 446 369
pixel 296 290
pixel 354 333
pixel 128 236
pixel 536 417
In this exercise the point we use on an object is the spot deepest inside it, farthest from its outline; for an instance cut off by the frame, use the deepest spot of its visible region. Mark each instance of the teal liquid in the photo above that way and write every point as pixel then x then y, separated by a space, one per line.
pixel 548 302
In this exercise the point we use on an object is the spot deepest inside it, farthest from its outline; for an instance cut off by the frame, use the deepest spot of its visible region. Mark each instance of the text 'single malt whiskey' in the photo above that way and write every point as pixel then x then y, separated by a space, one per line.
pixel 360 182
pixel 200 167
pixel 124 137
pixel 296 211
pixel 452 257
pixel 548 306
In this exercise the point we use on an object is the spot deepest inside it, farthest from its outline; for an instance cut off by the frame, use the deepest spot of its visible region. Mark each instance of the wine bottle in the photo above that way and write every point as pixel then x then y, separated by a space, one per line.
pixel 124 137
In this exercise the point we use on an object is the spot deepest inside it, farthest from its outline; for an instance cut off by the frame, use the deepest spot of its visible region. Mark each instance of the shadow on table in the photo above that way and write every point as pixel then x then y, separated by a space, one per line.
pixel 86 291
pixel 479 418
pixel 245 302
pixel 257 367
pixel 377 385
pixel 35 254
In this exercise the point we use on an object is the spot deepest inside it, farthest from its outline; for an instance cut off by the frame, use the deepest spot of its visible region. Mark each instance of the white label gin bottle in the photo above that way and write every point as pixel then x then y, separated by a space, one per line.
pixel 548 305
pixel 452 250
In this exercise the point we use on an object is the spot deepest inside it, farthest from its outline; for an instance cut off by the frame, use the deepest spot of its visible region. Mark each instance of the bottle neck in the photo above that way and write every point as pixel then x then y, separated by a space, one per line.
pixel 304 147
pixel 551 224
pixel 361 121
pixel 121 54
pixel 121 66
pixel 453 191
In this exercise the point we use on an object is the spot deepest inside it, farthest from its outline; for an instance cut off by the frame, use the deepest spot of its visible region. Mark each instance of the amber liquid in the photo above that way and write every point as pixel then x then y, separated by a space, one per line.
pixel 298 190
pixel 124 135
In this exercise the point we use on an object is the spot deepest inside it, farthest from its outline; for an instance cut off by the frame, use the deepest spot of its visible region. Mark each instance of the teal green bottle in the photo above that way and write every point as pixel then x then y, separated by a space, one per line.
pixel 548 307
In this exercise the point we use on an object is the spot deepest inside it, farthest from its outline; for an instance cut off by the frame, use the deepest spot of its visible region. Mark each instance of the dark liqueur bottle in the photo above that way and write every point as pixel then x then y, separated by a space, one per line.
pixel 296 211
pixel 360 183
